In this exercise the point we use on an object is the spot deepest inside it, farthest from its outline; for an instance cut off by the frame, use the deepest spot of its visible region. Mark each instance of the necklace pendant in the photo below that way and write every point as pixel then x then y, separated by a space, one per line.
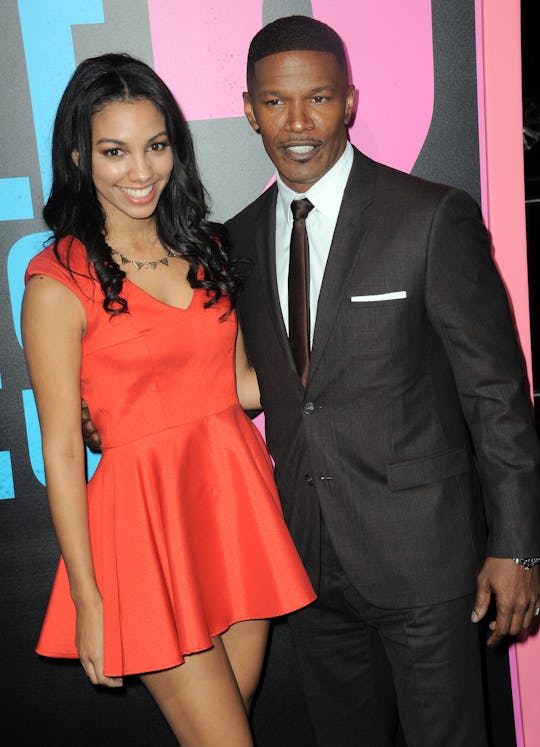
pixel 151 263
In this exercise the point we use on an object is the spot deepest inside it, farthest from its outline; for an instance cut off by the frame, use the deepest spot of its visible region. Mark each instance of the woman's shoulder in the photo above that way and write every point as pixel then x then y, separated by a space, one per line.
pixel 65 261
pixel 70 255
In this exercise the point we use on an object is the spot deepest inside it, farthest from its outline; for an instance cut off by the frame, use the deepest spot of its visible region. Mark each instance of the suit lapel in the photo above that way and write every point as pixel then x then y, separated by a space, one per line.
pixel 265 239
pixel 351 228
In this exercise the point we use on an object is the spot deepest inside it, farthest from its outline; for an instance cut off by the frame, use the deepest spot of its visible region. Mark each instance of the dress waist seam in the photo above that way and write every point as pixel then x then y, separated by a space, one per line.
pixel 117 445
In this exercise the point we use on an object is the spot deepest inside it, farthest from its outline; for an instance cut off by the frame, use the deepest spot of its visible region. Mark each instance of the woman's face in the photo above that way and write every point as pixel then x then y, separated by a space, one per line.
pixel 131 161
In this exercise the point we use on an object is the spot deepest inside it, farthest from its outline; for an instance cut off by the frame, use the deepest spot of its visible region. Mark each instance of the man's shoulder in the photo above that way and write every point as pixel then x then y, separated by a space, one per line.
pixel 401 187
pixel 250 214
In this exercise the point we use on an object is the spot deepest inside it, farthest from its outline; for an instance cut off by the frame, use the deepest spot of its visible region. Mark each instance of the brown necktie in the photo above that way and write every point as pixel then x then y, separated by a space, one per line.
pixel 299 324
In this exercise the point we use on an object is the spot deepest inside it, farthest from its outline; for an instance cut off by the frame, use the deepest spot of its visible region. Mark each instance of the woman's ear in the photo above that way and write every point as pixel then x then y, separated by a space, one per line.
pixel 75 157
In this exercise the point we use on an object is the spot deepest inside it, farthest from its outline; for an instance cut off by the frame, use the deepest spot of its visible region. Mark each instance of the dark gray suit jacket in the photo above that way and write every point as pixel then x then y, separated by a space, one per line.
pixel 415 429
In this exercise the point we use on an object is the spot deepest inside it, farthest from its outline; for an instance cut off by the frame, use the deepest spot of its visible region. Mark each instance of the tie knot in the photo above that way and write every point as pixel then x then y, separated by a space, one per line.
pixel 301 208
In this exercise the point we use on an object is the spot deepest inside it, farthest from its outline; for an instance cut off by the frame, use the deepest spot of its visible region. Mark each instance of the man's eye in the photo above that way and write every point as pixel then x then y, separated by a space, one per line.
pixel 273 102
pixel 320 99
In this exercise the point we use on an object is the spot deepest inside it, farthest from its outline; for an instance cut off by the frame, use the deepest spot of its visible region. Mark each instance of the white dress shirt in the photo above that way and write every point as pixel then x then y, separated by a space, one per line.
pixel 326 196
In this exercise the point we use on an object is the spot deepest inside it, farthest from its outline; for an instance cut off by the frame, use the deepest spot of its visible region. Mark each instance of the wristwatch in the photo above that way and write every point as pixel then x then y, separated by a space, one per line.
pixel 527 563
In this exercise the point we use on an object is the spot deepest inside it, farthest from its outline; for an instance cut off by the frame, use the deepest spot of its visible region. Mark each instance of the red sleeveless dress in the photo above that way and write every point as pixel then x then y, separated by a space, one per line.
pixel 186 527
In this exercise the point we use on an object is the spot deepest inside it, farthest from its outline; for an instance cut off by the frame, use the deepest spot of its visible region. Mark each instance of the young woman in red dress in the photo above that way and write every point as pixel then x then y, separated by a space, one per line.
pixel 175 554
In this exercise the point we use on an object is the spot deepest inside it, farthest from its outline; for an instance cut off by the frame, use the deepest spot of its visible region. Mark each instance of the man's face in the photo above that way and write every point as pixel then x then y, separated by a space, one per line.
pixel 301 104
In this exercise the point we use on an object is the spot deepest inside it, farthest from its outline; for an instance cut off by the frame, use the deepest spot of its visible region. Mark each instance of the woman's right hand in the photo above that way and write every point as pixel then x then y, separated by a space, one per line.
pixel 53 325
pixel 89 642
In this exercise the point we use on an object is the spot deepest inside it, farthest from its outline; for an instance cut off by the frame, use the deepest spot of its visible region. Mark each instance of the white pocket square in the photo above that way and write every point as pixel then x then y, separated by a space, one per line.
pixel 379 297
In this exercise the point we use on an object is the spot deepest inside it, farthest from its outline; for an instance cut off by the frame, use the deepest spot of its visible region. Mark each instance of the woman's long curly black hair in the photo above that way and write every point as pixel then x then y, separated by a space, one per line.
pixel 181 214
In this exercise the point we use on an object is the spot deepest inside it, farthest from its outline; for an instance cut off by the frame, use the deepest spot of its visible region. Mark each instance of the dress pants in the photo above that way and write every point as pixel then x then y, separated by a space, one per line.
pixel 358 661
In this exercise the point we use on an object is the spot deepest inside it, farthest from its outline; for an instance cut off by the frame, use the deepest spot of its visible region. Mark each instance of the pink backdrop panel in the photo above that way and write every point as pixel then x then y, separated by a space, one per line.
pixel 200 50
pixel 391 56
pixel 505 207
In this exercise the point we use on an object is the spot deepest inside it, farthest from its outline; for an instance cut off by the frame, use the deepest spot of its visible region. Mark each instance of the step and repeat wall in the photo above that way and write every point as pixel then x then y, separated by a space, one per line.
pixel 423 107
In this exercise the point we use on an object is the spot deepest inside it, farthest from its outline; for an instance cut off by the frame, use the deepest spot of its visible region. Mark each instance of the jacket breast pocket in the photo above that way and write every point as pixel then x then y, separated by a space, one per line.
pixel 416 472
pixel 376 325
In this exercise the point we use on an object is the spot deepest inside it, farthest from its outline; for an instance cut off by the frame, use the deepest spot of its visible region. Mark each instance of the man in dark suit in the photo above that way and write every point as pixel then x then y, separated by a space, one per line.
pixel 406 457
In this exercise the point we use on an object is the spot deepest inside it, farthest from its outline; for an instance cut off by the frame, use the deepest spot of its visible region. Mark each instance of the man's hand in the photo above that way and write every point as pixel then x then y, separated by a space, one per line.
pixel 90 434
pixel 517 595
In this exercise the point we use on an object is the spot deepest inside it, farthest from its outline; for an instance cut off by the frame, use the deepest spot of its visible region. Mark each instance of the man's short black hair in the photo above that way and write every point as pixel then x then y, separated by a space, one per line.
pixel 295 33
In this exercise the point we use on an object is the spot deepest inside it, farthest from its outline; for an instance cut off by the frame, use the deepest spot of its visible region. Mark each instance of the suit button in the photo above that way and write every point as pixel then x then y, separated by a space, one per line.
pixel 309 408
pixel 308 479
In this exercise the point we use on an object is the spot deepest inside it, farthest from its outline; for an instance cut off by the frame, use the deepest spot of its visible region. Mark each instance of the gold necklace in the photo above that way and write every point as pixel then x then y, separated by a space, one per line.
pixel 152 263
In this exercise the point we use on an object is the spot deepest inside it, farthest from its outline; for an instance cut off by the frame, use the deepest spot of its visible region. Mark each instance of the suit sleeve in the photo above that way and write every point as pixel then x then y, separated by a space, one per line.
pixel 468 306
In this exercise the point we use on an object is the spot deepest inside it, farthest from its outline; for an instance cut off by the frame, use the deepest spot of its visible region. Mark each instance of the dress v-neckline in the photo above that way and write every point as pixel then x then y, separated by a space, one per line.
pixel 159 301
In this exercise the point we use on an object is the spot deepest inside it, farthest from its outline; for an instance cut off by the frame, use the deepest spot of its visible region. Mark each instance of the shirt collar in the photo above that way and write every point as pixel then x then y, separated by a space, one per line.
pixel 324 192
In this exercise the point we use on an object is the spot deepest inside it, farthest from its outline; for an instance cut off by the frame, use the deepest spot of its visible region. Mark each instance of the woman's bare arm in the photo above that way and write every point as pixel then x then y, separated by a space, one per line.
pixel 247 385
pixel 53 324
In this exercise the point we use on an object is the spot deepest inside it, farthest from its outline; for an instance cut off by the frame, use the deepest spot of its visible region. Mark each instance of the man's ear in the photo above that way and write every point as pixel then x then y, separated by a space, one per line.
pixel 350 100
pixel 75 157
pixel 248 111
